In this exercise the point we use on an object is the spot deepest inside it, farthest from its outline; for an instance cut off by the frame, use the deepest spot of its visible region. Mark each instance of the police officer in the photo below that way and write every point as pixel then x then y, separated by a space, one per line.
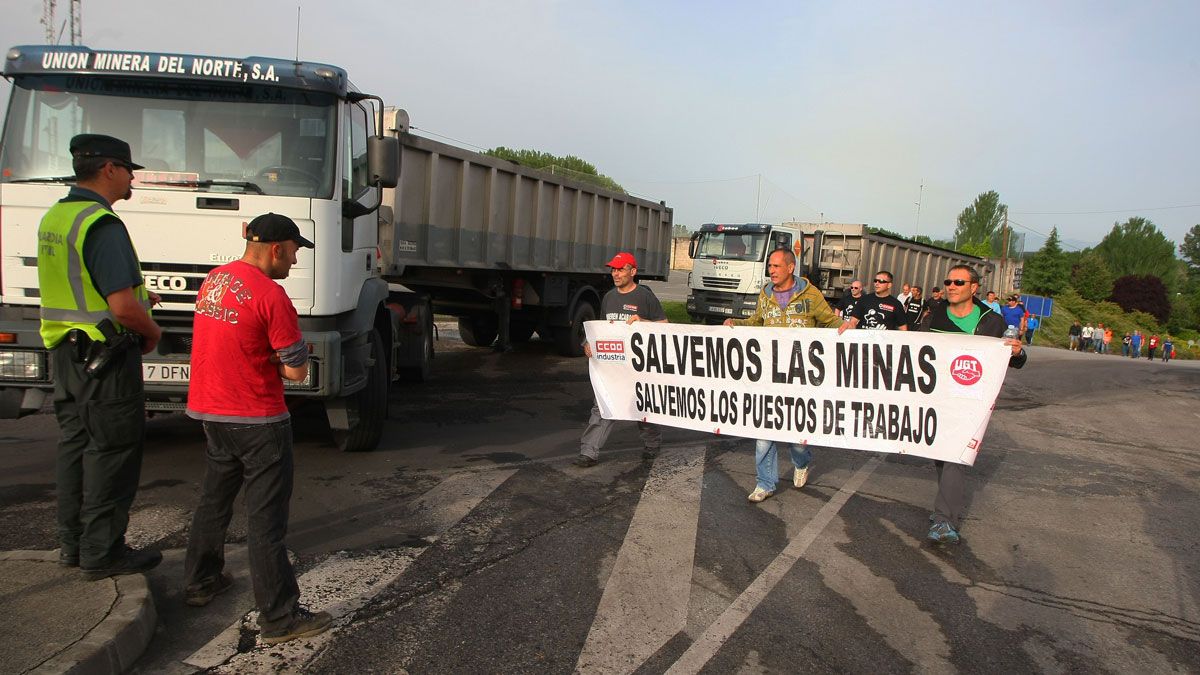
pixel 92 292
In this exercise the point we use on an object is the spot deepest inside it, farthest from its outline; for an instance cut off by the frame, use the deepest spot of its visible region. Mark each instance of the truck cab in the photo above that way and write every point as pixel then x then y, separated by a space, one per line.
pixel 729 267
pixel 222 140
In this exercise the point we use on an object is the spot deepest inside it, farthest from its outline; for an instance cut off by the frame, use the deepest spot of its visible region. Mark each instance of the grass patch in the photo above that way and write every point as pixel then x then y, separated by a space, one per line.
pixel 676 312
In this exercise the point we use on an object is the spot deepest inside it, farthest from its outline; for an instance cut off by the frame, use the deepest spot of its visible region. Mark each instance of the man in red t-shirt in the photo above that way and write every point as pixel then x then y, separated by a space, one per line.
pixel 246 337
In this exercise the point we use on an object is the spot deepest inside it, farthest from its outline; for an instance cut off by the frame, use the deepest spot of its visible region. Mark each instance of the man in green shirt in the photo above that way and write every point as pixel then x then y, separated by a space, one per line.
pixel 963 313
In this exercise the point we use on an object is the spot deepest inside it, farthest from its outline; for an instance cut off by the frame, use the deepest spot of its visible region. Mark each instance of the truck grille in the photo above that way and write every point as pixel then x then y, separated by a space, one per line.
pixel 719 282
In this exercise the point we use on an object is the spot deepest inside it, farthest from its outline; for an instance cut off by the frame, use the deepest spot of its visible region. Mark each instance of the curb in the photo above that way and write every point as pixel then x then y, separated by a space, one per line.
pixel 118 640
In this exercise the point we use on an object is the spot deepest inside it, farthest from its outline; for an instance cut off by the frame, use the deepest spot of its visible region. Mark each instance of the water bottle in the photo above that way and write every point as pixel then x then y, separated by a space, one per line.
pixel 1011 333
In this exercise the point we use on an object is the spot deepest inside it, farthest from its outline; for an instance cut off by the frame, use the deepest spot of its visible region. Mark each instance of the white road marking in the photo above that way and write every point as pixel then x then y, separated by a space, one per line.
pixel 645 601
pixel 904 626
pixel 341 585
pixel 707 645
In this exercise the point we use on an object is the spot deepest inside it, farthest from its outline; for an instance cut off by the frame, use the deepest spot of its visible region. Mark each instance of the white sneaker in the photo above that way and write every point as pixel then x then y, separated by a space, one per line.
pixel 800 478
pixel 759 494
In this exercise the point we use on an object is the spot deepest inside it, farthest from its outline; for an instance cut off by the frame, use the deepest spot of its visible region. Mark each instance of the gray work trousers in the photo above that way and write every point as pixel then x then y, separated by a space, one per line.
pixel 598 429
pixel 951 500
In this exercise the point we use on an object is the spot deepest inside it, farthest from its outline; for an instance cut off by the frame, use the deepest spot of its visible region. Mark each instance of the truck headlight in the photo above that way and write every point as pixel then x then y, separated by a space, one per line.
pixel 307 382
pixel 22 365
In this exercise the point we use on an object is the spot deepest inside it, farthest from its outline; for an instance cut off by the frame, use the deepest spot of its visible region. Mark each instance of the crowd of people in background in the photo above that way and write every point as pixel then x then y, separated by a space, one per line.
pixel 1097 340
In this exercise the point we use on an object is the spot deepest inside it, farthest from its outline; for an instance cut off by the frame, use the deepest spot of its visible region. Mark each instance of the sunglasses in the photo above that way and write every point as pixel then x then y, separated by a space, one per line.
pixel 881 281
pixel 856 288
pixel 955 282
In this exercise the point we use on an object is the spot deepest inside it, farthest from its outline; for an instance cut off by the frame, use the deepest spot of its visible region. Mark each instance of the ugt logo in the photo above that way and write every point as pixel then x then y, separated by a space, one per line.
pixel 610 346
pixel 966 369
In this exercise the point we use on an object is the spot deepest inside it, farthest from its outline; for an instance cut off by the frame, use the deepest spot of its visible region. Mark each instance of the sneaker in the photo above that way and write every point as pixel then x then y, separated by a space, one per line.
pixel 759 495
pixel 800 478
pixel 649 453
pixel 584 461
pixel 199 597
pixel 68 558
pixel 302 624
pixel 943 533
pixel 129 561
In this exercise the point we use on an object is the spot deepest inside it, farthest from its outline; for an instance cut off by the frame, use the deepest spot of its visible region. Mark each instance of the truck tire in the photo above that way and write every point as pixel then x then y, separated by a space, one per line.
pixel 569 339
pixel 521 330
pixel 478 331
pixel 420 372
pixel 369 405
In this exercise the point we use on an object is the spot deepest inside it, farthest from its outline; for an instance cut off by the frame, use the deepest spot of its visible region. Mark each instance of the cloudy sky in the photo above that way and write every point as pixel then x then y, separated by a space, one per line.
pixel 1079 114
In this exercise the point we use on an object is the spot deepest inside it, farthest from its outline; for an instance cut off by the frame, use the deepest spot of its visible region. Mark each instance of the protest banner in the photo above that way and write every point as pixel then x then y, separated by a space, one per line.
pixel 924 394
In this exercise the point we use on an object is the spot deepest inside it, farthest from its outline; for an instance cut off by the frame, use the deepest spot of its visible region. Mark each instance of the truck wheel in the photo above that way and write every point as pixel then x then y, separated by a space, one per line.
pixel 521 330
pixel 569 339
pixel 420 372
pixel 369 405
pixel 478 331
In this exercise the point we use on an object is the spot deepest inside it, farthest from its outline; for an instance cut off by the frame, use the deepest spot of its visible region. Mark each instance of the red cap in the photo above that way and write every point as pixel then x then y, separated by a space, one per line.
pixel 622 259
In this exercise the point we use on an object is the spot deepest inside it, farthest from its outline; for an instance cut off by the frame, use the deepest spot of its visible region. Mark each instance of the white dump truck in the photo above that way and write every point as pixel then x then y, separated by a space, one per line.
pixel 404 226
pixel 729 264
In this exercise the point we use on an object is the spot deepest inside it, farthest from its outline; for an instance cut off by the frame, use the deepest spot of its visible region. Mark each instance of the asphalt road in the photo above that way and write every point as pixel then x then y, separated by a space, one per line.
pixel 468 543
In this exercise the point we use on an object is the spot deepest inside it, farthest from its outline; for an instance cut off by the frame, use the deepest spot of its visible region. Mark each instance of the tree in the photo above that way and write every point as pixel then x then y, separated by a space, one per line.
pixel 1047 271
pixel 1091 278
pixel 980 221
pixel 1137 248
pixel 569 165
pixel 1142 293
pixel 680 231
pixel 1183 317
pixel 1189 250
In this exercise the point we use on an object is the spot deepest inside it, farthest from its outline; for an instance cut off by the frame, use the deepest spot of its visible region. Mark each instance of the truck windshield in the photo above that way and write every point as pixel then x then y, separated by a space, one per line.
pixel 189 136
pixel 732 245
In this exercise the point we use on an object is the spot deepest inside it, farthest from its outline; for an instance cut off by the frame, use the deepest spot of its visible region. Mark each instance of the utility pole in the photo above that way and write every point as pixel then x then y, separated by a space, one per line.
pixel 920 195
pixel 1004 253
pixel 48 19
pixel 76 22
pixel 757 198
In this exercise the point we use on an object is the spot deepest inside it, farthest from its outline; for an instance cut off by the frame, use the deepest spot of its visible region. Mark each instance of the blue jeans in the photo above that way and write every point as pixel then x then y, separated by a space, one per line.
pixel 766 458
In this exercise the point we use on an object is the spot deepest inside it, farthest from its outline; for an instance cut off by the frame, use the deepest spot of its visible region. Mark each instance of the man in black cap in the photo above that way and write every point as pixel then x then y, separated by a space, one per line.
pixel 92 295
pixel 238 394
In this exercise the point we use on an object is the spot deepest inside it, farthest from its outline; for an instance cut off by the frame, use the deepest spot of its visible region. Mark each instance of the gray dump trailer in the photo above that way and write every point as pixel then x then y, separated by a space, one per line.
pixel 835 254
pixel 507 249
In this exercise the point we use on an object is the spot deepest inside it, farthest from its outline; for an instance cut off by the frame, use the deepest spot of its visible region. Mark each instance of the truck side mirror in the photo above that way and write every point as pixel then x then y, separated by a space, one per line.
pixel 383 160
pixel 692 244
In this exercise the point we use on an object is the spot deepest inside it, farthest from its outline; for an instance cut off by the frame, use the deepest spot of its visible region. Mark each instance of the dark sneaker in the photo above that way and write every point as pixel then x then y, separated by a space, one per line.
pixel 649 453
pixel 199 597
pixel 130 561
pixel 68 558
pixel 585 461
pixel 943 533
pixel 303 624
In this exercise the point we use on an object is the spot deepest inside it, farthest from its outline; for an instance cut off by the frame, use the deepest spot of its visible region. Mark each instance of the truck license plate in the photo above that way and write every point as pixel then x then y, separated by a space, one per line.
pixel 166 372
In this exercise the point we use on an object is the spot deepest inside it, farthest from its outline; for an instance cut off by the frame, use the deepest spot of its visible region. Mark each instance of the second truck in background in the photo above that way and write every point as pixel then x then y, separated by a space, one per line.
pixel 729 262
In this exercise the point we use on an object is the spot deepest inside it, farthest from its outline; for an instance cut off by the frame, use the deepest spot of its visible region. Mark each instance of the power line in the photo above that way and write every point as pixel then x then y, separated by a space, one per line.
pixel 693 182
pixel 449 138
pixel 1098 213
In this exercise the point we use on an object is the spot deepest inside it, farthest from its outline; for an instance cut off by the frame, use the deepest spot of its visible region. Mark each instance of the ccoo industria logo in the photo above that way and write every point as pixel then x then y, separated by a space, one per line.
pixel 966 369
pixel 610 350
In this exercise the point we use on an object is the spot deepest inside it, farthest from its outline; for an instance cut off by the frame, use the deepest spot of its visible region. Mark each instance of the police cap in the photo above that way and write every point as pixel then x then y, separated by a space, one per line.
pixel 99 145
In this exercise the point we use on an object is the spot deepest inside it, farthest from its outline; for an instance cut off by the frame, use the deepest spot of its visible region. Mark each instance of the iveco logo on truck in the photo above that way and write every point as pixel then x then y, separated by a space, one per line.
pixel 163 282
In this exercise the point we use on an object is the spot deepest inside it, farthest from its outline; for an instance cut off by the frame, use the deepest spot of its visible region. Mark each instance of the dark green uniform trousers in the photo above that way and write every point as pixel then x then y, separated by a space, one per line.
pixel 99 462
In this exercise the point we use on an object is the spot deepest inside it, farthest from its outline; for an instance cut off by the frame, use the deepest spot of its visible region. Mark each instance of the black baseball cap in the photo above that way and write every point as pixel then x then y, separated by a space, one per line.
pixel 99 145
pixel 272 227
